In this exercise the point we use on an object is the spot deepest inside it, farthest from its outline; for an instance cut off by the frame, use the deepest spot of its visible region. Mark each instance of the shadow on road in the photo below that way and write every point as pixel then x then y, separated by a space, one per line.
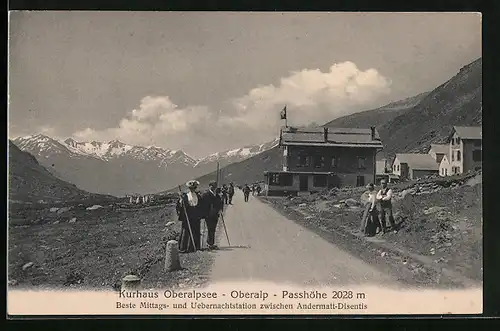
pixel 230 248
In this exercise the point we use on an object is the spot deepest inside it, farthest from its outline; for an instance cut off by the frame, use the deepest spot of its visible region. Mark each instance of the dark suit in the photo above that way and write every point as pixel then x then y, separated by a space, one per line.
pixel 246 192
pixel 230 192
pixel 212 204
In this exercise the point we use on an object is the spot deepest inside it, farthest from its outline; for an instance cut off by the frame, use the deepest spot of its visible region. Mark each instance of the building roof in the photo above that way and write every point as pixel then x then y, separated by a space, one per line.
pixel 418 161
pixel 440 149
pixel 315 136
pixel 298 172
pixel 468 132
pixel 444 161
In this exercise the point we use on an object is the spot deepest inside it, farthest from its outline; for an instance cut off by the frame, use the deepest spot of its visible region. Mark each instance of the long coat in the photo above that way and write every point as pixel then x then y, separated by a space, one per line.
pixel 194 214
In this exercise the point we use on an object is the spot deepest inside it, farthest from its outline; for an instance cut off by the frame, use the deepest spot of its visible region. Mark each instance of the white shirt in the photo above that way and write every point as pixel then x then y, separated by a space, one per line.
pixel 387 197
pixel 192 198
pixel 369 198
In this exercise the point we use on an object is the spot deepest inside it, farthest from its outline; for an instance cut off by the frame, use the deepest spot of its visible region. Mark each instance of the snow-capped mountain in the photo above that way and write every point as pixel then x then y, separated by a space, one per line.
pixel 236 155
pixel 117 168
pixel 116 149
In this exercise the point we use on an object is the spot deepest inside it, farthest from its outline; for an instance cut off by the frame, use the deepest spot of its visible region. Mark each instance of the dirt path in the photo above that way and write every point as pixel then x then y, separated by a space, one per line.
pixel 266 246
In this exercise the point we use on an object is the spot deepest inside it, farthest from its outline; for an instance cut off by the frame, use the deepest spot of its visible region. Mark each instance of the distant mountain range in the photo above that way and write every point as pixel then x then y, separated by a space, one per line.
pixel 117 168
pixel 409 125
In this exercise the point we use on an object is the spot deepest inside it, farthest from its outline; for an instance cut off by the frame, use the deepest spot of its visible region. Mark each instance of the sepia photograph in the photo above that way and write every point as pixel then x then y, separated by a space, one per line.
pixel 227 163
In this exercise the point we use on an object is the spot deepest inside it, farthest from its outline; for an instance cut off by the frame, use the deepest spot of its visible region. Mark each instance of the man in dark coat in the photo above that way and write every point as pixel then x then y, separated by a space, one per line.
pixel 190 204
pixel 212 204
pixel 224 192
pixel 230 193
pixel 246 192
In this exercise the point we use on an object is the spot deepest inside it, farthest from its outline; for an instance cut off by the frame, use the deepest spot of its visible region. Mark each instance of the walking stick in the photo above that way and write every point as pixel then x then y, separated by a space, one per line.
pixel 187 219
pixel 225 230
pixel 204 225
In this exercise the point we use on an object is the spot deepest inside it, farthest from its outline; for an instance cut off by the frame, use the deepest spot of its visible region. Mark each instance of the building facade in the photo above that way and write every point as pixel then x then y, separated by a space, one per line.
pixel 444 167
pixel 319 158
pixel 413 166
pixel 465 149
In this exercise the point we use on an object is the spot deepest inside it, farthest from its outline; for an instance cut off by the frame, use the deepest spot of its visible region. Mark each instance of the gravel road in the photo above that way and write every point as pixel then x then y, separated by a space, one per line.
pixel 266 246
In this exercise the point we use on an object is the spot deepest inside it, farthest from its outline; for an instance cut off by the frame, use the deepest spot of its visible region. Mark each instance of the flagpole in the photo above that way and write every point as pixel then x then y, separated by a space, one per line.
pixel 217 174
pixel 286 117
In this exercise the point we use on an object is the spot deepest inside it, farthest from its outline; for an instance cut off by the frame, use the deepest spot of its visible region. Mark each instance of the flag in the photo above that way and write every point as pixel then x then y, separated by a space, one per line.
pixel 283 114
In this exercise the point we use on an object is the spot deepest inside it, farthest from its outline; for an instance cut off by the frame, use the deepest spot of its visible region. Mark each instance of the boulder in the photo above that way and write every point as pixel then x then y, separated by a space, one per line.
pixel 54 209
pixel 73 220
pixel 94 207
pixel 352 203
pixel 28 265
pixel 63 210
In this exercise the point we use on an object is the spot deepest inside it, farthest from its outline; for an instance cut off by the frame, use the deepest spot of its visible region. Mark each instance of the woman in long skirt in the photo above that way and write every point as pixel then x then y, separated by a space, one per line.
pixel 369 219
pixel 189 204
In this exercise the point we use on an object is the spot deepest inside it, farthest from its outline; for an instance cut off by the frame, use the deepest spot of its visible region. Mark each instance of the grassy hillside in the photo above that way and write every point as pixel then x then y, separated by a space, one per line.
pixel 31 182
pixel 249 170
pixel 377 117
pixel 409 125
pixel 456 102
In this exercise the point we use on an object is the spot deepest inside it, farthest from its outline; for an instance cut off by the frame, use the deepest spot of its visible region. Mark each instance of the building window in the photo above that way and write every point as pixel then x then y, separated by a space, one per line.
pixel 303 160
pixel 458 141
pixel 458 155
pixel 334 163
pixel 442 171
pixel 446 172
pixel 398 167
pixel 281 180
pixel 477 143
pixel 453 155
pixel 320 181
pixel 319 161
pixel 477 155
pixel 360 181
pixel 361 163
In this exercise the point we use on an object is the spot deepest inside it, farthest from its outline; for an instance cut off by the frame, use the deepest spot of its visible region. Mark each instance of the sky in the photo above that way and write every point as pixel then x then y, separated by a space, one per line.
pixel 208 82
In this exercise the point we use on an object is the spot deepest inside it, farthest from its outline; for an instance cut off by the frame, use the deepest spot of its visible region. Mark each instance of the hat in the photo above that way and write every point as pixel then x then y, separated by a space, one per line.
pixel 212 183
pixel 192 183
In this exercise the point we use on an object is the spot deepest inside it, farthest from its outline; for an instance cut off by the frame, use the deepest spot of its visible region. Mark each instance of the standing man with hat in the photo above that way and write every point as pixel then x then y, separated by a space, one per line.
pixel 190 204
pixel 212 205
pixel 230 192
pixel 384 196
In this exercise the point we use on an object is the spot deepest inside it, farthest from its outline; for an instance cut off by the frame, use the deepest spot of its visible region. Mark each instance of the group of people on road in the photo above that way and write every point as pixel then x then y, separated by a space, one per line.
pixel 378 208
pixel 193 207
pixel 255 189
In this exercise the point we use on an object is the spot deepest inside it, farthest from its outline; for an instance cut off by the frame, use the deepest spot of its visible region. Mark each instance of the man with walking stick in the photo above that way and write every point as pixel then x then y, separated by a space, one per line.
pixel 212 205
pixel 189 212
